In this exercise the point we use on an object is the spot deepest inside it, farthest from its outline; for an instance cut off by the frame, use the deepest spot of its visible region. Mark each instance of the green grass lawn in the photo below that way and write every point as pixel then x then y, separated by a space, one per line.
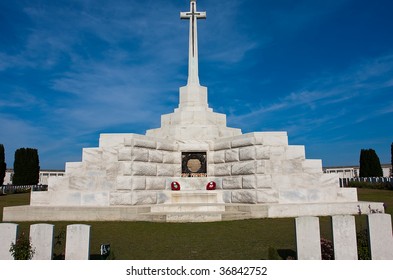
pixel 248 239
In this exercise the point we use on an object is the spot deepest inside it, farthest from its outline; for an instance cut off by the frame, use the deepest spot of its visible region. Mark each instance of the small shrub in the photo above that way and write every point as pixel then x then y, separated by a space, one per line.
pixel 327 249
pixel 22 248
pixel 362 243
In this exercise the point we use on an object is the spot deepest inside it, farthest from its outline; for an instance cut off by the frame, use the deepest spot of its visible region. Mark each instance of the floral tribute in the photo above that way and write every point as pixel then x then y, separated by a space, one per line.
pixel 211 186
pixel 175 186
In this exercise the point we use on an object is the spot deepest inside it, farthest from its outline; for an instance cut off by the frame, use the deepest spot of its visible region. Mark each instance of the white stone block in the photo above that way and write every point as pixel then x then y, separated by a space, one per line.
pixel 222 169
pixel 113 169
pixel 277 153
pixel 247 153
pixel 126 168
pixel 140 154
pixel 41 237
pixel 155 156
pixel 227 196
pixel 155 183
pixel 143 143
pixel 312 166
pixel 381 239
pixel 58 183
pixel 328 180
pixel 110 154
pixel 257 182
pixel 243 141
pixel 222 145
pixel 292 166
pixel 39 198
pixel 273 166
pixel 231 155
pixel 165 170
pixel 244 196
pixel 249 182
pixel 92 157
pixel 344 237
pixel 73 168
pixel 219 156
pixel 124 183
pixel 138 183
pixel 232 183
pixel 295 152
pixel 95 198
pixel 120 198
pixel 347 195
pixel 262 152
pixel 115 139
pixel 272 138
pixel 267 196
pixel 262 167
pixel 166 146
pixel 308 238
pixel 77 242
pixel 8 233
pixel 171 157
pixel 125 154
pixel 144 198
pixel 144 169
pixel 244 168
pixel 134 154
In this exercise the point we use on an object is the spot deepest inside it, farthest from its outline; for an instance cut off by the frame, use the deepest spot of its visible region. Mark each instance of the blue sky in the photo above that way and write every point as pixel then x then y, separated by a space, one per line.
pixel 72 69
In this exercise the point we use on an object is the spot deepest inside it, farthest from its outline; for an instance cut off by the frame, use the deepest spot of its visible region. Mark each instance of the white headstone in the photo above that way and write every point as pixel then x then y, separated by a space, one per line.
pixel 77 242
pixel 41 236
pixel 8 233
pixel 308 238
pixel 344 237
pixel 381 239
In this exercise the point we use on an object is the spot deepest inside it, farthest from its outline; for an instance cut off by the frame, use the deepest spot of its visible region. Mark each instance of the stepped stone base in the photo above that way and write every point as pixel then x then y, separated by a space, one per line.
pixel 179 213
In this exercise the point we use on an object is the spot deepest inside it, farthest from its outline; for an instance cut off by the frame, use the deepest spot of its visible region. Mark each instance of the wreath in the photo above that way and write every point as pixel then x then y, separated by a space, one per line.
pixel 211 186
pixel 175 186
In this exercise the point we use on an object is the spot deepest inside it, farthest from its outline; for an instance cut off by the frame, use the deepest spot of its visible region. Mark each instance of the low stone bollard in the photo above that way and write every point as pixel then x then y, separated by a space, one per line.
pixel 41 236
pixel 77 242
pixel 8 233
pixel 308 238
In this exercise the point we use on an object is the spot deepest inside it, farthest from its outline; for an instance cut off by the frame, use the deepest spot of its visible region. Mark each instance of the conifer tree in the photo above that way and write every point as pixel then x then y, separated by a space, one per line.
pixel 3 165
pixel 26 167
pixel 370 166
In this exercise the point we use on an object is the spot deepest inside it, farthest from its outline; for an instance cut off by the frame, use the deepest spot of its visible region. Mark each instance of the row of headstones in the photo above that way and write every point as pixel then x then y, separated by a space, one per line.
pixel 344 237
pixel 41 238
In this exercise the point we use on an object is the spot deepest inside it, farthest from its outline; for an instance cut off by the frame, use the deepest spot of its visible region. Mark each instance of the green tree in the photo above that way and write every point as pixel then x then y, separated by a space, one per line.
pixel 370 166
pixel 3 165
pixel 26 167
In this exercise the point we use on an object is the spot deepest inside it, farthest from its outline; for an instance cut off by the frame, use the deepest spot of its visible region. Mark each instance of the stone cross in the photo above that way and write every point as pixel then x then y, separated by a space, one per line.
pixel 193 16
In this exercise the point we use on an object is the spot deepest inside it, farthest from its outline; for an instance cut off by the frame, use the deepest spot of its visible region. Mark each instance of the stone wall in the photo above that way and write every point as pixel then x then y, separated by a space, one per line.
pixel 131 169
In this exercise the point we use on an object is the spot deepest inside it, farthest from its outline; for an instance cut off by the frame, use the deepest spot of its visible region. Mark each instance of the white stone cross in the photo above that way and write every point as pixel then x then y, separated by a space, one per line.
pixel 193 15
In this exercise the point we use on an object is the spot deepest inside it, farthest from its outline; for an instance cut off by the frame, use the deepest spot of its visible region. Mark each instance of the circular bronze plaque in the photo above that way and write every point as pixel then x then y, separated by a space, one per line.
pixel 194 164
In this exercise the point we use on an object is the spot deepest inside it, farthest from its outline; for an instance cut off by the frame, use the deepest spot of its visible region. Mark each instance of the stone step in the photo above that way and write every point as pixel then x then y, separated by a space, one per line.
pixel 187 217
pixel 195 207
pixel 232 216
pixel 194 197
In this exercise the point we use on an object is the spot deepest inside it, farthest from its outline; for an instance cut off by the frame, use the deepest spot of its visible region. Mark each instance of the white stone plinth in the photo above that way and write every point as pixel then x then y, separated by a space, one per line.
pixel 308 238
pixel 8 232
pixel 77 242
pixel 41 236
pixel 344 237
pixel 381 240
